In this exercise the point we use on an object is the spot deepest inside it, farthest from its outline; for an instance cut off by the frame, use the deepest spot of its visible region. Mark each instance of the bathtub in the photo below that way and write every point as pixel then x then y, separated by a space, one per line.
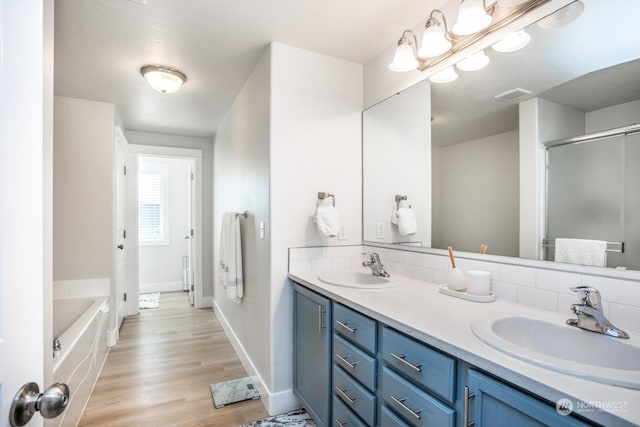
pixel 80 326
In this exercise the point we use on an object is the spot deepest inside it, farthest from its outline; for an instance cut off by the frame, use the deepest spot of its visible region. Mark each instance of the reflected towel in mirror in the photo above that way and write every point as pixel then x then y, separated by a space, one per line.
pixel 581 251
pixel 405 219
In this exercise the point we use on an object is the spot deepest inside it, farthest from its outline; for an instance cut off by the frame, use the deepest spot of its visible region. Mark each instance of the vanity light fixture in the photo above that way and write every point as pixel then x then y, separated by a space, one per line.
pixel 472 17
pixel 512 42
pixel 435 39
pixel 445 76
pixel 474 62
pixel 475 21
pixel 163 79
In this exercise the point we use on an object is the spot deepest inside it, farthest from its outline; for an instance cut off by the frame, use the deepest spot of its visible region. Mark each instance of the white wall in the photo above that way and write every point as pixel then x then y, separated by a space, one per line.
pixel 397 159
pixel 316 104
pixel 83 193
pixel 613 117
pixel 206 145
pixel 477 184
pixel 242 184
pixel 82 189
pixel 293 131
pixel 160 266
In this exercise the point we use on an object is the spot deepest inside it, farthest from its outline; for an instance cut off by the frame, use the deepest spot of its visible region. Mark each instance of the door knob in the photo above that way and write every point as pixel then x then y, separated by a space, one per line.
pixel 120 246
pixel 28 400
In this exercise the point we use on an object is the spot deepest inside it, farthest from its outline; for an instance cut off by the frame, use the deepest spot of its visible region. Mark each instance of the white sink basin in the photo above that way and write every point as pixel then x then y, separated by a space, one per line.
pixel 564 348
pixel 352 279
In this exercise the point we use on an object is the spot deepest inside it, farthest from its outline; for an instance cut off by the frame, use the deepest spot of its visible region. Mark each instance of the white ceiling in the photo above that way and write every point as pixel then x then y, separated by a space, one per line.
pixel 100 46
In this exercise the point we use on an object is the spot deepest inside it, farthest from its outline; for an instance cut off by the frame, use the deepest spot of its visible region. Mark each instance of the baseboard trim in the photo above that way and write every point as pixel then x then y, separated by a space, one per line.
pixel 146 288
pixel 112 336
pixel 274 403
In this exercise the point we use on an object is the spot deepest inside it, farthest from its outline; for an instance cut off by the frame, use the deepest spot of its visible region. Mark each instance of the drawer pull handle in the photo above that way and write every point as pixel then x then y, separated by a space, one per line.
pixel 400 402
pixel 347 327
pixel 343 359
pixel 341 423
pixel 343 393
pixel 321 324
pixel 465 408
pixel 417 368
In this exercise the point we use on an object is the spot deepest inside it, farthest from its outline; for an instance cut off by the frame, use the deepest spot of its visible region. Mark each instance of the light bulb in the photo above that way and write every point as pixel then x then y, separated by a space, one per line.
pixel 472 17
pixel 474 62
pixel 404 58
pixel 512 42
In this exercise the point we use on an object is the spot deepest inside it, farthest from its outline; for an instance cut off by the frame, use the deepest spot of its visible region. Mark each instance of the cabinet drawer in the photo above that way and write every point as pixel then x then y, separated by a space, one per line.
pixel 414 405
pixel 343 417
pixel 389 419
pixel 354 396
pixel 355 327
pixel 355 362
pixel 427 367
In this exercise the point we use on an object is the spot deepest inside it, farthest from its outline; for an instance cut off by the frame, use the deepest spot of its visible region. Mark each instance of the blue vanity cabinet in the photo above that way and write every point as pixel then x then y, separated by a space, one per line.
pixel 355 367
pixel 493 403
pixel 418 382
pixel 312 353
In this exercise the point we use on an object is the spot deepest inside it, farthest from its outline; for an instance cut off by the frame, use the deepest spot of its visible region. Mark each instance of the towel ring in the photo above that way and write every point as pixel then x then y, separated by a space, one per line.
pixel 400 198
pixel 322 195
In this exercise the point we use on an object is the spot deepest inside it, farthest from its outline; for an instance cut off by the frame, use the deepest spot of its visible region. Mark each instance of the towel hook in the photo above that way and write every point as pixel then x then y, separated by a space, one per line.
pixel 244 214
pixel 322 195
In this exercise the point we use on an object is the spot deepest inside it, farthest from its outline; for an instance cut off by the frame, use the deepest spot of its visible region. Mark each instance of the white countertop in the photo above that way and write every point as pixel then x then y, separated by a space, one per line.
pixel 419 310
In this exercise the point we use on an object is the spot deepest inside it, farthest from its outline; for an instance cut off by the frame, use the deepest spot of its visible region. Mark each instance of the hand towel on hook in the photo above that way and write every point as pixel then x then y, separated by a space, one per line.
pixel 327 221
pixel 230 275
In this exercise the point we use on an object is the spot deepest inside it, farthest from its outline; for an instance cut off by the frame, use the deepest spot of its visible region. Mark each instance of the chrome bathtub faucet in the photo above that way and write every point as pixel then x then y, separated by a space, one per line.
pixel 377 269
pixel 590 314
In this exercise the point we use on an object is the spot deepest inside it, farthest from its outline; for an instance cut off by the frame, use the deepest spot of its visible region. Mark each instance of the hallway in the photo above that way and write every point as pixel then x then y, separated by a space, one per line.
pixel 160 371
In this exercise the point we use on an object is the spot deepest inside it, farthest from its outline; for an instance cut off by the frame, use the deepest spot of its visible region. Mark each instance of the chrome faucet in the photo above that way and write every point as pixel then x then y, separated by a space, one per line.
pixel 375 265
pixel 590 315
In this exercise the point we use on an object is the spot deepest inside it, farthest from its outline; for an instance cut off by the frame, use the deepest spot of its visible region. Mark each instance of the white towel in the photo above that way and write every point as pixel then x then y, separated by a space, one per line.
pixel 230 268
pixel 327 221
pixel 405 219
pixel 581 251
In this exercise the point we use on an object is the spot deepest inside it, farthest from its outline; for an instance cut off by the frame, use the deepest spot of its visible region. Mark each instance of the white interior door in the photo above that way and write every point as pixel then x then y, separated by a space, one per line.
pixel 25 198
pixel 120 239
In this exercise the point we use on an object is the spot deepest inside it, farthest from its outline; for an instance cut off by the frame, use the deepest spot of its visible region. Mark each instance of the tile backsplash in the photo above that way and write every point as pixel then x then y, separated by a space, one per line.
pixel 532 286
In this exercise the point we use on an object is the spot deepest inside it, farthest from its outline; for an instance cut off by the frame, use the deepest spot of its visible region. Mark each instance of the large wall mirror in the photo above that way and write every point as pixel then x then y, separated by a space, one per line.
pixel 455 150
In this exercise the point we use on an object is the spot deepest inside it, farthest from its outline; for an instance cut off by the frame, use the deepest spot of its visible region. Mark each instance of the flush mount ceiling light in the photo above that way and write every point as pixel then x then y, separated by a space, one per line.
pixel 512 42
pixel 163 79
pixel 475 22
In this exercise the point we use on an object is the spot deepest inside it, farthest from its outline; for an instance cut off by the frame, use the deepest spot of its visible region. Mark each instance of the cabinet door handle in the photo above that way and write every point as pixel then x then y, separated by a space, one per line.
pixel 347 327
pixel 465 408
pixel 400 402
pixel 403 359
pixel 341 423
pixel 343 359
pixel 321 324
pixel 344 394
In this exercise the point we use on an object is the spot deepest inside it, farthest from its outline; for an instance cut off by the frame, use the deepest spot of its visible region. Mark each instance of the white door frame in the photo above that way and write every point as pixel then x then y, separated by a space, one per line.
pixel 119 227
pixel 133 282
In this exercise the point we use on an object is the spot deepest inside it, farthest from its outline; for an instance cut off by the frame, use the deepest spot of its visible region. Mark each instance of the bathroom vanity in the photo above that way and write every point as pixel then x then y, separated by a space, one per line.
pixel 406 356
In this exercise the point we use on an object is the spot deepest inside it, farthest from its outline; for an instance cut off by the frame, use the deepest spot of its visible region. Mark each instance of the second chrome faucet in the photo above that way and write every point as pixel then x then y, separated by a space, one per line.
pixel 590 314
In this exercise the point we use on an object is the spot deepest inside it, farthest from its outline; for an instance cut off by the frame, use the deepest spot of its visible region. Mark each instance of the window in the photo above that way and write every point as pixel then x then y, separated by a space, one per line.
pixel 152 202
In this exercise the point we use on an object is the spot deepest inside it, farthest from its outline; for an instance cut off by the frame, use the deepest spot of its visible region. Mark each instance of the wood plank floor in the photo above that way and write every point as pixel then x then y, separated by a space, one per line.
pixel 159 372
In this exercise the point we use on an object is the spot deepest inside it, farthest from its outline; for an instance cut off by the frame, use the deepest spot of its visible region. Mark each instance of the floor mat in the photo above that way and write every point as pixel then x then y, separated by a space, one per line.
pixel 151 300
pixel 228 392
pixel 299 418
